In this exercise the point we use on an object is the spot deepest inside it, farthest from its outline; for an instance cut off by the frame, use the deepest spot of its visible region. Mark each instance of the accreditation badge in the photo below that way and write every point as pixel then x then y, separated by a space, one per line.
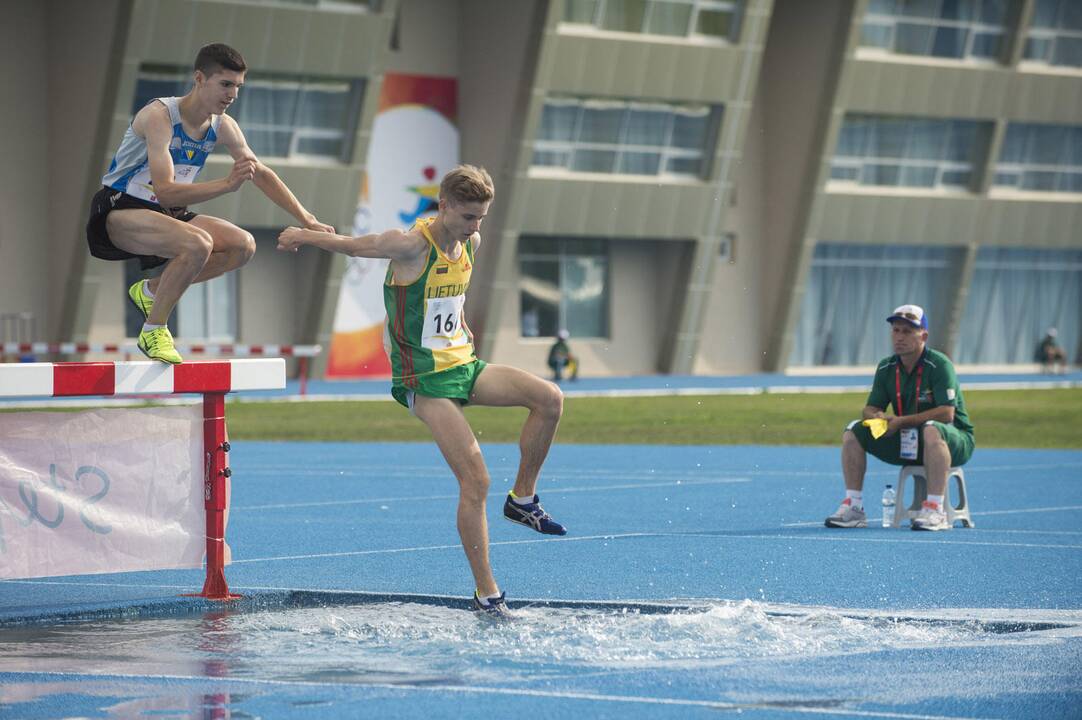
pixel 909 443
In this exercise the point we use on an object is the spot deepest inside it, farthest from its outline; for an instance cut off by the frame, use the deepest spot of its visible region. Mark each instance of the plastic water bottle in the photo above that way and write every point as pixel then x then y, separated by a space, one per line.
pixel 888 505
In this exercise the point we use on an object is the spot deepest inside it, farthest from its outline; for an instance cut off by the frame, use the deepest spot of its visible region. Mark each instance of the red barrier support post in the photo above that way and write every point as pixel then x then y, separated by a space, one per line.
pixel 215 477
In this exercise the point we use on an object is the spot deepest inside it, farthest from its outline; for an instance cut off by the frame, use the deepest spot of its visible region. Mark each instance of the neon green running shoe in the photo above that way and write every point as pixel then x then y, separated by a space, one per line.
pixel 140 300
pixel 157 344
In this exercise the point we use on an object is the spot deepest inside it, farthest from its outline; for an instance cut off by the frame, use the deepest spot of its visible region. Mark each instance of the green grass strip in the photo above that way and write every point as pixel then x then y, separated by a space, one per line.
pixel 1003 418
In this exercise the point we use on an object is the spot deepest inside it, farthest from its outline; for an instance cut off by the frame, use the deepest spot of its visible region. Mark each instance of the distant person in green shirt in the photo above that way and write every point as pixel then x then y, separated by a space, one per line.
pixel 561 360
pixel 929 426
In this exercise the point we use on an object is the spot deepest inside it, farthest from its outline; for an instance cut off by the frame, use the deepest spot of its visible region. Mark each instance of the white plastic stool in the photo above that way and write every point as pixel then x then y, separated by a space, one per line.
pixel 920 494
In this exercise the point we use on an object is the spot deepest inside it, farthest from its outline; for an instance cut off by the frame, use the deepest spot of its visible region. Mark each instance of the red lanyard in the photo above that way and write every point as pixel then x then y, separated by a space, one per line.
pixel 898 389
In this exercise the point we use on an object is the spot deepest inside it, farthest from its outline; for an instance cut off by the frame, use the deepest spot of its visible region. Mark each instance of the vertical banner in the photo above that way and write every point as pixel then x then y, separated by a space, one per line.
pixel 414 143
pixel 101 491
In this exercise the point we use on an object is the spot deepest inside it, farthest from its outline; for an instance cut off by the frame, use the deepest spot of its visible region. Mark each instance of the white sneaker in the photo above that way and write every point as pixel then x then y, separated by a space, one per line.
pixel 847 516
pixel 931 517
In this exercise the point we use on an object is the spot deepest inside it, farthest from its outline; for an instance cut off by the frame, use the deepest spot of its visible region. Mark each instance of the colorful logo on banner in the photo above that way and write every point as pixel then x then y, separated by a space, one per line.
pixel 414 143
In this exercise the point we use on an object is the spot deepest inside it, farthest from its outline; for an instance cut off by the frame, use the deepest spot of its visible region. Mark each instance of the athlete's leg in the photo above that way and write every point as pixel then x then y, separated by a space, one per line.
pixel 233 247
pixel 146 232
pixel 502 386
pixel 937 460
pixel 456 441
pixel 854 462
pixel 230 247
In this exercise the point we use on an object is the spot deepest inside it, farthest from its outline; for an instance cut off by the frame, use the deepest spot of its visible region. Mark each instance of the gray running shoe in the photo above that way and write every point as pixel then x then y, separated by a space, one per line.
pixel 931 517
pixel 847 516
pixel 495 609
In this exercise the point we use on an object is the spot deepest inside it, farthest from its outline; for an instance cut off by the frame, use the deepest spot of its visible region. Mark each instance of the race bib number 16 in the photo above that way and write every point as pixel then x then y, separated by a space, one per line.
pixel 443 323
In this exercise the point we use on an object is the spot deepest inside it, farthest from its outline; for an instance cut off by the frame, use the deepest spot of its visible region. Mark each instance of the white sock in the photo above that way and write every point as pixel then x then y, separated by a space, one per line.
pixel 147 327
pixel 937 499
pixel 856 499
pixel 146 289
pixel 487 599
pixel 521 501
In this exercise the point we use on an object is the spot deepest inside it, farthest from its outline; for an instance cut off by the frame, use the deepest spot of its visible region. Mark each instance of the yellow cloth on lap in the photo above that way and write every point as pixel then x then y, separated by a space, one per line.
pixel 878 426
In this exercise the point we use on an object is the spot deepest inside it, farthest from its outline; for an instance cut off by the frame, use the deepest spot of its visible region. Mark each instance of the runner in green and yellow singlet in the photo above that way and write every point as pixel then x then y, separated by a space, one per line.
pixel 426 337
pixel 435 370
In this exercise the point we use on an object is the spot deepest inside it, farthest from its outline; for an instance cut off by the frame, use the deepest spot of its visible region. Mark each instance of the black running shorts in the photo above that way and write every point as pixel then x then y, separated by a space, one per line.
pixel 105 201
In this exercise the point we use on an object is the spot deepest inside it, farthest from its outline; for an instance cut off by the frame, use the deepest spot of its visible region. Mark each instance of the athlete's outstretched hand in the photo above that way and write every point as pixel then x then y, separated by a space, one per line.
pixel 243 171
pixel 290 239
pixel 316 225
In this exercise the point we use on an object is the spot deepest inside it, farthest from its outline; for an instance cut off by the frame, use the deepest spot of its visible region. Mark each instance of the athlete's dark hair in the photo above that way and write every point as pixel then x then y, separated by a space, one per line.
pixel 218 56
pixel 467 183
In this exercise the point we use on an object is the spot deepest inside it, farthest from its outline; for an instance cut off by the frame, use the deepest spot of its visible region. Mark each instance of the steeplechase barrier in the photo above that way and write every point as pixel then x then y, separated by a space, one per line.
pixel 303 353
pixel 27 487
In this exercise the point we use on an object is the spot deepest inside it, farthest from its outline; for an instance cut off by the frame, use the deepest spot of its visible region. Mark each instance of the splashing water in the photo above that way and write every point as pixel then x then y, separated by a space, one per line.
pixel 402 642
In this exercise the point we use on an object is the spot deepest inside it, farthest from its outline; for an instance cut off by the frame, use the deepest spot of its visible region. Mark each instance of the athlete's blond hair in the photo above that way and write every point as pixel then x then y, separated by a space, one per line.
pixel 467 183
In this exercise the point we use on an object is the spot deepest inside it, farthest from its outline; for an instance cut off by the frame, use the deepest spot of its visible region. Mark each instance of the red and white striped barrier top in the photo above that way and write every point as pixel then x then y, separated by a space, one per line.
pixel 227 349
pixel 144 377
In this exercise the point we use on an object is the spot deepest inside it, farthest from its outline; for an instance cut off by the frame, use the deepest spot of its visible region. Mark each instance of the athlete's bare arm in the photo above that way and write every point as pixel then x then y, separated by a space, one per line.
pixel 231 136
pixel 392 244
pixel 152 123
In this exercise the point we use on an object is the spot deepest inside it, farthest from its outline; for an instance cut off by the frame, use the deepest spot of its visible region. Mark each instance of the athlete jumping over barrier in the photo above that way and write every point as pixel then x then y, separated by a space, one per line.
pixel 434 369
pixel 141 211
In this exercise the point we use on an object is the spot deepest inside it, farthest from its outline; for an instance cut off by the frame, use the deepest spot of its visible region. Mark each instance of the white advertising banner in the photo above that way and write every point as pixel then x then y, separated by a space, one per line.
pixel 101 491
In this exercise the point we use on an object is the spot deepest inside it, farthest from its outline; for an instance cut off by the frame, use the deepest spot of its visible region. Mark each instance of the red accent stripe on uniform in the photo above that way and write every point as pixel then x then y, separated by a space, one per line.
pixel 404 348
pixel 70 379
pixel 202 377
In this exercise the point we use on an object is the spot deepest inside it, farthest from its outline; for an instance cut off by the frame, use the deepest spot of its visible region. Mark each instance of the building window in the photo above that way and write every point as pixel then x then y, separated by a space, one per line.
pixel 207 311
pixel 955 29
pixel 564 285
pixel 716 19
pixel 1055 33
pixel 281 117
pixel 627 138
pixel 851 290
pixel 341 5
pixel 906 152
pixel 1015 296
pixel 1041 158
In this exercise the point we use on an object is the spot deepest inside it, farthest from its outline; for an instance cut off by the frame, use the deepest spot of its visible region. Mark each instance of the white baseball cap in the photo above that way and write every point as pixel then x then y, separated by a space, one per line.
pixel 912 314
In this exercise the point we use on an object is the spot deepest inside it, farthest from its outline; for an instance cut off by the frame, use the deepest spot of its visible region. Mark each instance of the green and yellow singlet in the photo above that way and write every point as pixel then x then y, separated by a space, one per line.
pixel 426 329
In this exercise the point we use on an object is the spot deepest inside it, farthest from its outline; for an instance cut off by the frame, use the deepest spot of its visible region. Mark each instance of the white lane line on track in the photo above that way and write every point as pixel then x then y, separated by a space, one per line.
pixel 555 471
pixel 497 494
pixel 514 692
pixel 622 536
pixel 851 538
pixel 1028 510
pixel 456 546
pixel 1059 508
pixel 438 471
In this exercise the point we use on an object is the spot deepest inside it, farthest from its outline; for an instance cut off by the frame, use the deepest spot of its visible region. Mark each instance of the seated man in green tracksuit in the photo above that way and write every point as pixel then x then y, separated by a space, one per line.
pixel 929 427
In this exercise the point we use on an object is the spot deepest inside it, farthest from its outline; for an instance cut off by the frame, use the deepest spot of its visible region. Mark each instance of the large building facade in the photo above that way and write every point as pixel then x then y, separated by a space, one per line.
pixel 686 186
